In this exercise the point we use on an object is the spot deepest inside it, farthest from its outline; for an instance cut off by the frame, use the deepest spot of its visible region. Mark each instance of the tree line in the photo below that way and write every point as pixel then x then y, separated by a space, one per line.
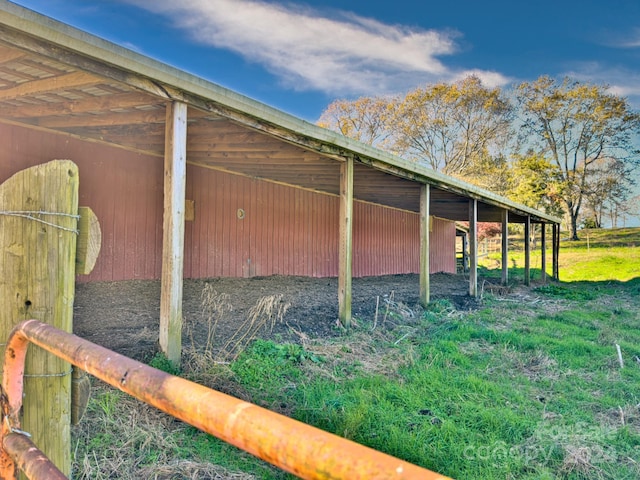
pixel 561 146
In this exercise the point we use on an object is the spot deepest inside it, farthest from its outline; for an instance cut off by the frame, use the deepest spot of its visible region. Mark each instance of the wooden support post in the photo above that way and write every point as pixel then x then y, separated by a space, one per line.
pixel 473 247
pixel 37 261
pixel 543 251
pixel 465 252
pixel 346 243
pixel 424 244
pixel 527 250
pixel 556 251
pixel 505 247
pixel 175 172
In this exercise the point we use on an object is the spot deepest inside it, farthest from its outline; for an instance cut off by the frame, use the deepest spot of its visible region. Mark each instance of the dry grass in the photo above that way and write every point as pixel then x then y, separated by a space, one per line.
pixel 267 311
pixel 535 365
pixel 577 459
pixel 365 349
pixel 216 307
pixel 187 469
pixel 123 438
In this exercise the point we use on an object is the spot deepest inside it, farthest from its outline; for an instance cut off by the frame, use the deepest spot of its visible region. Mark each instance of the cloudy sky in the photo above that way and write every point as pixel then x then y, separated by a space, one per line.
pixel 298 56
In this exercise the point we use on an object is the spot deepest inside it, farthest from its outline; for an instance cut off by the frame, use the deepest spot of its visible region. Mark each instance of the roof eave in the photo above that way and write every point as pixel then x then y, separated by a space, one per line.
pixel 86 44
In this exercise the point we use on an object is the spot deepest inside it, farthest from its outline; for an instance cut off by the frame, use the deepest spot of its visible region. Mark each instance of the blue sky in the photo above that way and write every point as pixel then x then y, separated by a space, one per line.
pixel 298 56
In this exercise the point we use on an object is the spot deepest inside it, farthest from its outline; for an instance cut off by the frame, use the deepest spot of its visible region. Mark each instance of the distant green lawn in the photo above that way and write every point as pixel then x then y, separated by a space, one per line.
pixel 600 255
pixel 598 264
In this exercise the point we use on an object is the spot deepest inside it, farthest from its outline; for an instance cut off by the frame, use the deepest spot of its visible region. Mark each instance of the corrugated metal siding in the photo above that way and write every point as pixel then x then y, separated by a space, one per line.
pixel 442 254
pixel 385 240
pixel 124 189
pixel 285 230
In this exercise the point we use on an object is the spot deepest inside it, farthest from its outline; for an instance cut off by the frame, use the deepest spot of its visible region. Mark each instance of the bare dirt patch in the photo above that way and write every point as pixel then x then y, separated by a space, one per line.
pixel 124 316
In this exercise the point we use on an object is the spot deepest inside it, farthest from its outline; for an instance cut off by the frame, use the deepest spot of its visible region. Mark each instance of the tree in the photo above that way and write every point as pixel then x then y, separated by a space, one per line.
pixel 364 119
pixel 536 182
pixel 607 191
pixel 452 127
pixel 492 173
pixel 576 125
pixel 457 129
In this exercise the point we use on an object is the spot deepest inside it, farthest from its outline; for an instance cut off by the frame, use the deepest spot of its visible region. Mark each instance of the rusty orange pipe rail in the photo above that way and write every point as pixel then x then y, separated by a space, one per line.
pixel 293 446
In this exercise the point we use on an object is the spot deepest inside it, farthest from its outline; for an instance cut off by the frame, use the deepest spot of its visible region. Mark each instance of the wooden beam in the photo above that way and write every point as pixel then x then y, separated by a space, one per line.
pixel 175 172
pixel 346 242
pixel 136 117
pixel 473 247
pixel 527 251
pixel 47 85
pixel 9 54
pixel 505 247
pixel 424 245
pixel 103 103
pixel 543 251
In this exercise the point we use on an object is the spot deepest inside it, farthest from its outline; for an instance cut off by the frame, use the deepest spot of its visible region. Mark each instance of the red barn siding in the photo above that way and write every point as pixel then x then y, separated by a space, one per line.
pixel 285 230
pixel 385 241
pixel 442 257
pixel 124 189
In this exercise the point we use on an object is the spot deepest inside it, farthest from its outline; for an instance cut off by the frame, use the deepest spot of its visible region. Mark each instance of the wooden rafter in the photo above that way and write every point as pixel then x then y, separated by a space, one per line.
pixel 93 104
pixel 134 117
pixel 46 85
pixel 8 55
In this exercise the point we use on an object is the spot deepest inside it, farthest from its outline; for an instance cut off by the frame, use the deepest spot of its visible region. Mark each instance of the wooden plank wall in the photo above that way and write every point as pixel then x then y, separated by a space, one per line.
pixel 283 230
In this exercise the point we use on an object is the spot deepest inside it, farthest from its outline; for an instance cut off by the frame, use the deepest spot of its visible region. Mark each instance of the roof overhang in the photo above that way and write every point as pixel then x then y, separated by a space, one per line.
pixel 73 83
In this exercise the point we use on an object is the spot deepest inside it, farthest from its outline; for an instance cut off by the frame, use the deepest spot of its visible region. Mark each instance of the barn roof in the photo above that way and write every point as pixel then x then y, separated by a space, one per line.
pixel 57 78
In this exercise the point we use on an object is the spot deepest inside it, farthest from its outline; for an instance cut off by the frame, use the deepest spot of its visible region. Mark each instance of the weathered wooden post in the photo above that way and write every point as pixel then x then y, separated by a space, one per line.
pixel 38 235
pixel 345 254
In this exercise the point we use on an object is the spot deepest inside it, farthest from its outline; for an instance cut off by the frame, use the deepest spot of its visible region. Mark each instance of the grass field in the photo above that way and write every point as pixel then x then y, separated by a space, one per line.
pixel 528 386
pixel 600 255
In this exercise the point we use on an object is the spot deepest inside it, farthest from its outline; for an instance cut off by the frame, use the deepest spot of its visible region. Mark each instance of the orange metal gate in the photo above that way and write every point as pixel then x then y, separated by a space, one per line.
pixel 290 445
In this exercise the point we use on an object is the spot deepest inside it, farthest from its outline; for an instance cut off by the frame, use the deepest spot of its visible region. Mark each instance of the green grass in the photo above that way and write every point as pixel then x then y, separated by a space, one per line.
pixel 607 255
pixel 528 386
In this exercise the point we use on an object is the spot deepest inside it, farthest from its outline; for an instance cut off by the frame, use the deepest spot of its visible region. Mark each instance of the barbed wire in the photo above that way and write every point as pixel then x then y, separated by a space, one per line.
pixel 29 214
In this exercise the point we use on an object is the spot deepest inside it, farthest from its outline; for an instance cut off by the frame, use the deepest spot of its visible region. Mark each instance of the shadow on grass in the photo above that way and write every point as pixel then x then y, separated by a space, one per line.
pixel 561 288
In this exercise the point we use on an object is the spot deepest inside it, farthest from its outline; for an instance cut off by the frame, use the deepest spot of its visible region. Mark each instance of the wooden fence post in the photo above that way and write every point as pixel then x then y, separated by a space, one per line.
pixel 38 234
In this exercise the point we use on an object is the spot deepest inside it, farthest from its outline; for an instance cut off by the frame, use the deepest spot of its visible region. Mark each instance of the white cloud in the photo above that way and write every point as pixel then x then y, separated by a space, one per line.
pixel 488 78
pixel 631 40
pixel 341 54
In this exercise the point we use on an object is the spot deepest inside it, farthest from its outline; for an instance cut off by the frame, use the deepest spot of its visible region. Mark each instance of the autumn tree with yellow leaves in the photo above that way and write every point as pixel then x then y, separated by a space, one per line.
pixel 578 138
pixel 576 126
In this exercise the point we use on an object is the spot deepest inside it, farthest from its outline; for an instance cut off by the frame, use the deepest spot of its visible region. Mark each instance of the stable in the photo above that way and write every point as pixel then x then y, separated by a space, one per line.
pixel 192 180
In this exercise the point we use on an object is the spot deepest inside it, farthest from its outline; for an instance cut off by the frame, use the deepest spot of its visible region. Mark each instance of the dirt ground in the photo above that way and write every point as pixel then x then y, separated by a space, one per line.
pixel 124 316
